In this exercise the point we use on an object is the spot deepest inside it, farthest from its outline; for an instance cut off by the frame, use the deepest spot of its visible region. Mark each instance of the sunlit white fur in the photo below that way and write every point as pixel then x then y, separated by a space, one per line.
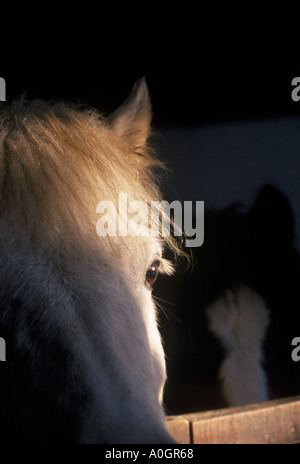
pixel 89 290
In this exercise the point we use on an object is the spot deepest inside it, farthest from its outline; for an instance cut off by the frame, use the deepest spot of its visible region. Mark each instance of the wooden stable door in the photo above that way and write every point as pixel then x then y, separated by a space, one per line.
pixel 275 421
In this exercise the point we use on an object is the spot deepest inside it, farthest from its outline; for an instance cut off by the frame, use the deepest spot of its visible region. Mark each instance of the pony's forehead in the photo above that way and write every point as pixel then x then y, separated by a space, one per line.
pixel 71 160
pixel 81 138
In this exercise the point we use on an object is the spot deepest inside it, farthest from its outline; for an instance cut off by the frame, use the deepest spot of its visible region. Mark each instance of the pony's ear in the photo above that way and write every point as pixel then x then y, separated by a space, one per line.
pixel 132 119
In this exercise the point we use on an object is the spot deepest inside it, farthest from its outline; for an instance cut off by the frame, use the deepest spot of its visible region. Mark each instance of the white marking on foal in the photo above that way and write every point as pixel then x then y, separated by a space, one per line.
pixel 240 320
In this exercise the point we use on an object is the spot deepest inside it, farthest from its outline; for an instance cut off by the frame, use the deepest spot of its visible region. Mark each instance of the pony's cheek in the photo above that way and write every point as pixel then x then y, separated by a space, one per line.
pixel 160 369
pixel 156 348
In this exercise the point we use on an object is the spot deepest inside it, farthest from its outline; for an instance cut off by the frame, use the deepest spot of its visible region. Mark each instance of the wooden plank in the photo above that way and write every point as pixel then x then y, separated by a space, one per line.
pixel 263 423
pixel 179 429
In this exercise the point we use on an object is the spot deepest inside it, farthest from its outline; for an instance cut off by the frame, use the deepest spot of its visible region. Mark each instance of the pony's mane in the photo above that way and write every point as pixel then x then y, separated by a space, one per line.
pixel 57 162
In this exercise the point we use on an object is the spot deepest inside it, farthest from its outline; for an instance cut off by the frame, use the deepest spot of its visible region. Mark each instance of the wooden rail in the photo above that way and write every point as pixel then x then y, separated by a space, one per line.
pixel 275 421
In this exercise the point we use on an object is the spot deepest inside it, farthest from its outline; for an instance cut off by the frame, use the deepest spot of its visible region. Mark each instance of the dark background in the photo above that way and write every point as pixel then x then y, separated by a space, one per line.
pixel 204 65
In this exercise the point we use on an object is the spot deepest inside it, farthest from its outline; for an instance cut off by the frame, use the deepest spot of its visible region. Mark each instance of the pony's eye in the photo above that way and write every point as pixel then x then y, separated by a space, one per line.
pixel 152 273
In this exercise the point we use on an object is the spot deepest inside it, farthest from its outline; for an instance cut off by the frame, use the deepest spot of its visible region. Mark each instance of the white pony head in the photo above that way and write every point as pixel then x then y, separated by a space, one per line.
pixel 84 359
